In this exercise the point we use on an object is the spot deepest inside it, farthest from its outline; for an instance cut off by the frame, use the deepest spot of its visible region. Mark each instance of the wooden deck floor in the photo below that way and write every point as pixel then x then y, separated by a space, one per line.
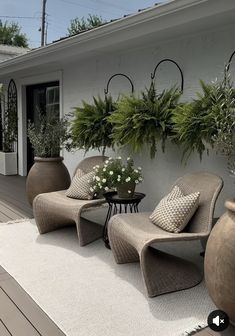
pixel 19 314
pixel 230 331
pixel 13 200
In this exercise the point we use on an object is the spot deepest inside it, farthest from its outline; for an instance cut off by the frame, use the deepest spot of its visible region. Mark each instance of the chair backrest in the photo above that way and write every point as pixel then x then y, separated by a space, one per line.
pixel 209 186
pixel 87 164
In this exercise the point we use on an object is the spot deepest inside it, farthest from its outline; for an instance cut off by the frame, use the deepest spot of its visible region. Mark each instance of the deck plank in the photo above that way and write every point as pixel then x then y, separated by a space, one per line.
pixel 3 329
pixel 13 200
pixel 19 314
pixel 230 331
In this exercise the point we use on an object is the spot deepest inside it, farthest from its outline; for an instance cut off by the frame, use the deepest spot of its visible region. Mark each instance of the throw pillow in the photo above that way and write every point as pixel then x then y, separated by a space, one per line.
pixel 80 186
pixel 175 210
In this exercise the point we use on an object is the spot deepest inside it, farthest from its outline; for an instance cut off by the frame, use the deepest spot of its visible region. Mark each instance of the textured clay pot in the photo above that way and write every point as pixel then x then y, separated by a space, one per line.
pixel 122 190
pixel 46 175
pixel 220 262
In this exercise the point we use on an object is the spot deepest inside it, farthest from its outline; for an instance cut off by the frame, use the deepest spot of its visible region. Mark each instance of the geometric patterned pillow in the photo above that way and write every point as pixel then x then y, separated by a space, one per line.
pixel 80 186
pixel 175 193
pixel 175 210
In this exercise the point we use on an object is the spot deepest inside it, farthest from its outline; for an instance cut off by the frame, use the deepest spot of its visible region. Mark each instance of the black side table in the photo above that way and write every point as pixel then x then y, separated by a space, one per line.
pixel 119 205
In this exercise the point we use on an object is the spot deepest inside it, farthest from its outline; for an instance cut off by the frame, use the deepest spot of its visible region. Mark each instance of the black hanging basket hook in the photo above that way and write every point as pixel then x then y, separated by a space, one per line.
pixel 106 90
pixel 153 75
pixel 230 61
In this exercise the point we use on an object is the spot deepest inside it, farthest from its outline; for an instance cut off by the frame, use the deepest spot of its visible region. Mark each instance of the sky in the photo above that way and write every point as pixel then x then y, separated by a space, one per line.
pixel 60 12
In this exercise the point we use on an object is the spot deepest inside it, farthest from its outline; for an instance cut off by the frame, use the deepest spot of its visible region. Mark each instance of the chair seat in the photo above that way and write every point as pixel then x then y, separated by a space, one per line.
pixel 138 229
pixel 59 198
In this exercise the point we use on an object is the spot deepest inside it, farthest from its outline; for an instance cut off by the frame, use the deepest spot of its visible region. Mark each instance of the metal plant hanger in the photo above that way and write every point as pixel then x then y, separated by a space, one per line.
pixel 153 75
pixel 230 61
pixel 106 90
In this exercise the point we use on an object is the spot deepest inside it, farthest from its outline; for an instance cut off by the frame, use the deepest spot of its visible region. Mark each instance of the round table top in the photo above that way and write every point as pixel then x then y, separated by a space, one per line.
pixel 113 197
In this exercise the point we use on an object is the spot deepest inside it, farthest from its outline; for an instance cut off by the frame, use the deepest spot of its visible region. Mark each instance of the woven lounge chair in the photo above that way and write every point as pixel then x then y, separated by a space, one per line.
pixel 131 237
pixel 55 210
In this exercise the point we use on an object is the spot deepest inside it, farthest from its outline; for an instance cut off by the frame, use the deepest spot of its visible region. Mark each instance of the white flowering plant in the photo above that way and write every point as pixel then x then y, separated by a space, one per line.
pixel 114 173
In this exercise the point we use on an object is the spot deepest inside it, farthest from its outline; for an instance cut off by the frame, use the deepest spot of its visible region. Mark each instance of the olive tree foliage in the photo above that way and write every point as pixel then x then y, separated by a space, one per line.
pixel 78 25
pixel 10 34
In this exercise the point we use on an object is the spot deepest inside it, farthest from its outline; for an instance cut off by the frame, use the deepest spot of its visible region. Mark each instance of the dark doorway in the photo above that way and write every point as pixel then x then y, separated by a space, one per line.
pixel 41 99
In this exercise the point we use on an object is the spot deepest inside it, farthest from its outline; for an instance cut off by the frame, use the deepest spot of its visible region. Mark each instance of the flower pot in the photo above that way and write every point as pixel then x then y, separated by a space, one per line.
pixel 8 163
pixel 220 262
pixel 46 175
pixel 126 190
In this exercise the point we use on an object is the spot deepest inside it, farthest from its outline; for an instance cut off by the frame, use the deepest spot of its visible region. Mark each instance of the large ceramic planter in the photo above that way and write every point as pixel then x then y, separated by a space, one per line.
pixel 126 190
pixel 46 175
pixel 8 163
pixel 220 262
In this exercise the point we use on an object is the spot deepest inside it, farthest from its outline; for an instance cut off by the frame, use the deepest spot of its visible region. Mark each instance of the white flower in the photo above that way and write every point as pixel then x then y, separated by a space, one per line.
pixel 119 176
pixel 140 178
pixel 91 189
pixel 107 161
pixel 119 158
pixel 104 169
pixel 136 181
pixel 97 178
pixel 139 168
pixel 110 159
pixel 118 179
pixel 136 171
pixel 111 172
pixel 128 159
pixel 128 179
pixel 97 166
pixel 106 188
pixel 104 180
pixel 99 184
pixel 123 169
pixel 129 191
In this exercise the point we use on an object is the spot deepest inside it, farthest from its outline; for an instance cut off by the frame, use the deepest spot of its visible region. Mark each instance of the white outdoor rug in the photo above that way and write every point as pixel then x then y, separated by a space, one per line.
pixel 86 294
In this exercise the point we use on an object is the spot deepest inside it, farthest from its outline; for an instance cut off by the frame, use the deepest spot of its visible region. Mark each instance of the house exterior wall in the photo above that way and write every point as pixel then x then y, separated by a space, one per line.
pixel 201 56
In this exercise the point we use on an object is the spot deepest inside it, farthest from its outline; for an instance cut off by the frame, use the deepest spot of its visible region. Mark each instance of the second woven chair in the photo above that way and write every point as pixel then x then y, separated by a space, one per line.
pixel 131 237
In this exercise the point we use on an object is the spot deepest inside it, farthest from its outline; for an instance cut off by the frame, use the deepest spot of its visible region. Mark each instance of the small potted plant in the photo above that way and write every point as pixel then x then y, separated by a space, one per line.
pixel 48 172
pixel 115 175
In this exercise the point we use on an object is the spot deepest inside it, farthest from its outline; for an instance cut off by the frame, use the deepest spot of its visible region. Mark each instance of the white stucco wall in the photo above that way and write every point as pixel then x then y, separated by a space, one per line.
pixel 201 56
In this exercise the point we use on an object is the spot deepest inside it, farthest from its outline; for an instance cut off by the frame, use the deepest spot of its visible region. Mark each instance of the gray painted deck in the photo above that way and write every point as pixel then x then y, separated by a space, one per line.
pixel 19 314
pixel 13 200
pixel 230 331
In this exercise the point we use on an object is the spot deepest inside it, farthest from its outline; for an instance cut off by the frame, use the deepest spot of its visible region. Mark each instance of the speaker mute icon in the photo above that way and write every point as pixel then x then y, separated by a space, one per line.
pixel 218 320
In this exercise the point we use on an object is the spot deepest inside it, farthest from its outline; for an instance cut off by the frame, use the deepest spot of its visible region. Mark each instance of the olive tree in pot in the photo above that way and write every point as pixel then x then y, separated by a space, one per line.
pixel 48 172
pixel 8 154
